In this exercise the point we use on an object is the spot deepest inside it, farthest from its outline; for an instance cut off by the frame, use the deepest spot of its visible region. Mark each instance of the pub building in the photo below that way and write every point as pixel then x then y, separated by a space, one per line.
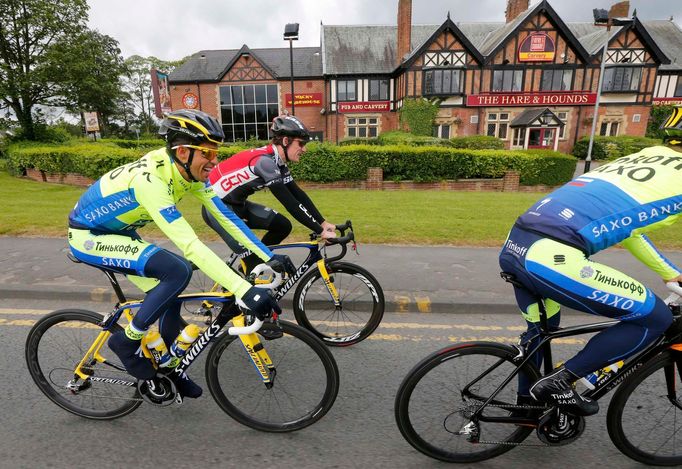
pixel 531 81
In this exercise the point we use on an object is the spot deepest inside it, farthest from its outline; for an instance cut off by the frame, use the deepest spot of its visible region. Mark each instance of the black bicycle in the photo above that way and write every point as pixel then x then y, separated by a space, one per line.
pixel 277 385
pixel 340 302
pixel 459 404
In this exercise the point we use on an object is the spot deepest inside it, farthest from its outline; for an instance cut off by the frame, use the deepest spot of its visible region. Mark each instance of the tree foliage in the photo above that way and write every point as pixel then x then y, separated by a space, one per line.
pixel 418 115
pixel 28 29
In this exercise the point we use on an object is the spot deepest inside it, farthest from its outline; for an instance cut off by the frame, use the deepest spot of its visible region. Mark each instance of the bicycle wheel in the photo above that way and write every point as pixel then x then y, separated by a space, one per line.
pixel 643 421
pixel 54 347
pixel 303 391
pixel 430 406
pixel 361 310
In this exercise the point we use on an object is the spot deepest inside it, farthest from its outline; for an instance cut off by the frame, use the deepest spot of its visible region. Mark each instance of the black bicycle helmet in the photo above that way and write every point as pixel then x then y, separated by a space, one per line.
pixel 194 125
pixel 289 126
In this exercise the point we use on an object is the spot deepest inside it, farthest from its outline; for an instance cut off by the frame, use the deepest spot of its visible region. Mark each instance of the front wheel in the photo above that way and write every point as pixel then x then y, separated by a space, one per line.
pixel 358 314
pixel 438 396
pixel 645 414
pixel 55 346
pixel 304 388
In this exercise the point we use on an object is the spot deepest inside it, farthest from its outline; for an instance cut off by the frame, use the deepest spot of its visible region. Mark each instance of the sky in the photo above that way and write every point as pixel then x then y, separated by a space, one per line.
pixel 173 29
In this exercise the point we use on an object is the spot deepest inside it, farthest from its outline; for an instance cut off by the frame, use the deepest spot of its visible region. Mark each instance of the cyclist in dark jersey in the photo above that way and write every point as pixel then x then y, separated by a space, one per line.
pixel 548 252
pixel 246 172
pixel 103 232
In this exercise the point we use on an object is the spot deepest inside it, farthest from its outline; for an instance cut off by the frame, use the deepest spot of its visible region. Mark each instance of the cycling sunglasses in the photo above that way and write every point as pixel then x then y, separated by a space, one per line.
pixel 209 153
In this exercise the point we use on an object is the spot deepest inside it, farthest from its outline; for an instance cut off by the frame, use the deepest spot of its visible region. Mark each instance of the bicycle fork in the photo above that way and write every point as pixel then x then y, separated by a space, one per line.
pixel 258 355
pixel 329 283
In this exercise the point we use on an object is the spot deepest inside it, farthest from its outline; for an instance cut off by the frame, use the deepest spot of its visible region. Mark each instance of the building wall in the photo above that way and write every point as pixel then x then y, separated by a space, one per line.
pixel 311 116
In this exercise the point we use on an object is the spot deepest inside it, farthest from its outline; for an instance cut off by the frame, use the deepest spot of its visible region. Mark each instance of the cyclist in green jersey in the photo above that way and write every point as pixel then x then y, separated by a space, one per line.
pixel 103 232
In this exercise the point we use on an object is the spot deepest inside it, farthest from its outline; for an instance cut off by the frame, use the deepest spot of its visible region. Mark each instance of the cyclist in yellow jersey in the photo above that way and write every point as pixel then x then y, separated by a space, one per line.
pixel 548 251
pixel 103 232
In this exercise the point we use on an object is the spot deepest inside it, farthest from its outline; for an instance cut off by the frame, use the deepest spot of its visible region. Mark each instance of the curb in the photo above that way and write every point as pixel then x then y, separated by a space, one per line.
pixel 395 302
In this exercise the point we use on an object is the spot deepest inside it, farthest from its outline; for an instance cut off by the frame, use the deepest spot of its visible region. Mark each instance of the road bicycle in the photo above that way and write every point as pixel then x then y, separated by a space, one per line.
pixel 340 302
pixel 459 404
pixel 277 385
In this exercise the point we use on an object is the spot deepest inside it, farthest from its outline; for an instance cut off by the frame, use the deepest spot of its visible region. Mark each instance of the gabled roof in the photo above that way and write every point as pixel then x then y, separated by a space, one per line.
pixel 529 116
pixel 448 25
pixel 496 41
pixel 211 65
pixel 668 36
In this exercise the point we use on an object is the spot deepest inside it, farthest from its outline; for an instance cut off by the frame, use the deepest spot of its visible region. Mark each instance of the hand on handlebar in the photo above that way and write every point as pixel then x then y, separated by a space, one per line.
pixel 282 263
pixel 260 302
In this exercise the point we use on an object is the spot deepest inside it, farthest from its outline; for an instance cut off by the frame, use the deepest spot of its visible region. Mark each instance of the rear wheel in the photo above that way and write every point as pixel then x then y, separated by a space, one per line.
pixel 54 347
pixel 360 310
pixel 304 388
pixel 438 396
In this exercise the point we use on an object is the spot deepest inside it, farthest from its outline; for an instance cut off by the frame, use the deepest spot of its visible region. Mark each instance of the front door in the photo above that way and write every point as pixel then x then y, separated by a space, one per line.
pixel 543 139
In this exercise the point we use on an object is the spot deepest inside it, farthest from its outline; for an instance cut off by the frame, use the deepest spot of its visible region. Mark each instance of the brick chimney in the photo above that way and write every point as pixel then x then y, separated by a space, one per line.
pixel 404 28
pixel 515 8
pixel 620 10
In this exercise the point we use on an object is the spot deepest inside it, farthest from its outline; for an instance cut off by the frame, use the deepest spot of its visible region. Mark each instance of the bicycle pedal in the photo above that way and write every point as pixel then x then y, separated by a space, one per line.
pixel 271 334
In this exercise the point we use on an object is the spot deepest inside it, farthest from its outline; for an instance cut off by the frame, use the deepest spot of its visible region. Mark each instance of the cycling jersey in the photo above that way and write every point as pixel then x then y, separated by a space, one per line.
pixel 133 195
pixel 246 172
pixel 616 202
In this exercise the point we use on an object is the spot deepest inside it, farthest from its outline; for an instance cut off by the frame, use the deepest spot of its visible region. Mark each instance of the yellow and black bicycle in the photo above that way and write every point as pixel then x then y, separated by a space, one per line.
pixel 340 302
pixel 278 385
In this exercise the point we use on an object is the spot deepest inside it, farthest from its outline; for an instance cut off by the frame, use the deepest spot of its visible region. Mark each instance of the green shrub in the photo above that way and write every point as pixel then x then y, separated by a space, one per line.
pixel 659 114
pixel 477 142
pixel 360 141
pixel 136 143
pixel 324 162
pixel 609 148
pixel 417 115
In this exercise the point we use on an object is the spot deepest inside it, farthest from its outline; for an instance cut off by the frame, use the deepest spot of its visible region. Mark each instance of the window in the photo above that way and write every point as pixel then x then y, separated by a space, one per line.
pixel 378 90
pixel 362 127
pixel 498 123
pixel 441 130
pixel 609 129
pixel 507 80
pixel 519 137
pixel 556 80
pixel 563 117
pixel 622 79
pixel 442 82
pixel 247 110
pixel 345 90
pixel 678 88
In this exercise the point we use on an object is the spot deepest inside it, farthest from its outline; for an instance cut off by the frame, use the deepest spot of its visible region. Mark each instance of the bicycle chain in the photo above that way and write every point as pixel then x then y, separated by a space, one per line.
pixel 508 443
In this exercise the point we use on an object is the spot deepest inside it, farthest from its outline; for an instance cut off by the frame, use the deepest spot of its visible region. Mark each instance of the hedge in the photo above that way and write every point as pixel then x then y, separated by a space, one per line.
pixel 328 163
pixel 610 148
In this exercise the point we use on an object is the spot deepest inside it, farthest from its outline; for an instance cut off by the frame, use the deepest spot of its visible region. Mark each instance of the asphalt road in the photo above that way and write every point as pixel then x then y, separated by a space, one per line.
pixel 359 431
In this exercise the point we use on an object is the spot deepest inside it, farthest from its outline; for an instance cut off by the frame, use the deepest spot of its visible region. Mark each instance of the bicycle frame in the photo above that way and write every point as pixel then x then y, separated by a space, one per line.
pixel 602 387
pixel 251 342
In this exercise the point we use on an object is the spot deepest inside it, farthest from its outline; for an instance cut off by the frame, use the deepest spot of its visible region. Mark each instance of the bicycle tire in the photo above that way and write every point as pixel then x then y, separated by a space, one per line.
pixel 304 389
pixel 362 308
pixel 433 388
pixel 641 398
pixel 62 338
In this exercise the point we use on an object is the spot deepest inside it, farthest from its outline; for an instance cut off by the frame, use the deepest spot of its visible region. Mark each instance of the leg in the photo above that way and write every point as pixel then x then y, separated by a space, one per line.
pixel 260 217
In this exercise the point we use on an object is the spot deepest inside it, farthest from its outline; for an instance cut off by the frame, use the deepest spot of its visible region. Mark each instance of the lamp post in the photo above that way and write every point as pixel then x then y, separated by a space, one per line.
pixel 291 34
pixel 601 17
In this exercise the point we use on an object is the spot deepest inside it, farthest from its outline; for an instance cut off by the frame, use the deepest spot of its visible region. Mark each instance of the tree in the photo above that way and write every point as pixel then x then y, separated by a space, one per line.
pixel 28 29
pixel 138 84
pixel 87 70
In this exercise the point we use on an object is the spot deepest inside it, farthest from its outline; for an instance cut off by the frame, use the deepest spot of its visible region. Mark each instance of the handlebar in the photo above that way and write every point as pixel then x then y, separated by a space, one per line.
pixel 675 295
pixel 246 329
pixel 268 272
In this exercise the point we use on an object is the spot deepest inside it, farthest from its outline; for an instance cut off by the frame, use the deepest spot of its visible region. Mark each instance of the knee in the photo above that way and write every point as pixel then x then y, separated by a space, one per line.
pixel 660 318
pixel 281 225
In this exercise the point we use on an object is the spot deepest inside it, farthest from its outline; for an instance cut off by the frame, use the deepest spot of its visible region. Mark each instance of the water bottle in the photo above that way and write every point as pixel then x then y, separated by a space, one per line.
pixel 157 347
pixel 181 344
pixel 591 380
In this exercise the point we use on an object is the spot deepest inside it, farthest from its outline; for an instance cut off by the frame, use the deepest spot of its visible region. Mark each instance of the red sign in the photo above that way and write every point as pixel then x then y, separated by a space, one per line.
pixel 537 47
pixel 667 101
pixel 190 101
pixel 303 99
pixel 579 98
pixel 367 106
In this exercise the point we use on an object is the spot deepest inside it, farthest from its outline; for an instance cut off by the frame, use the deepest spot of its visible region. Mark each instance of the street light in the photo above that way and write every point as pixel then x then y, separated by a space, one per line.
pixel 601 17
pixel 291 34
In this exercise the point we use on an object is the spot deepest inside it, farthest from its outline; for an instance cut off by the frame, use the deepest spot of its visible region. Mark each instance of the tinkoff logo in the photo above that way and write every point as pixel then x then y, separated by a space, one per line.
pixel 89 244
pixel 586 272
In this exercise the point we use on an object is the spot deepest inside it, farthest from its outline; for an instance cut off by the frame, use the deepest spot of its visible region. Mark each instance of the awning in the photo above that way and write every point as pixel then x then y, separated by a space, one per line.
pixel 537 118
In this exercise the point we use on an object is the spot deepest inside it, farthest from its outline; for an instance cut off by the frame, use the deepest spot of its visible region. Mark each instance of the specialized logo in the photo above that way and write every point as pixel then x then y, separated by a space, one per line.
pixel 199 345
pixel 586 272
